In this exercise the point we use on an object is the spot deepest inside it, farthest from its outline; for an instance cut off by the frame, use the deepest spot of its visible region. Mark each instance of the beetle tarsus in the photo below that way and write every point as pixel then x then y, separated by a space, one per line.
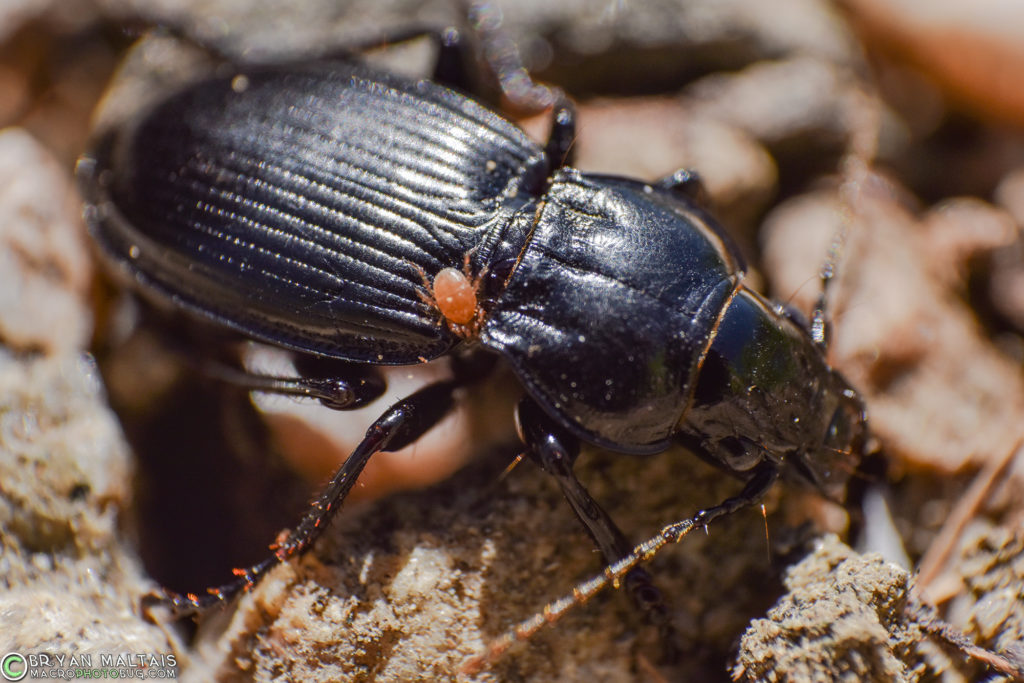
pixel 615 574
pixel 400 425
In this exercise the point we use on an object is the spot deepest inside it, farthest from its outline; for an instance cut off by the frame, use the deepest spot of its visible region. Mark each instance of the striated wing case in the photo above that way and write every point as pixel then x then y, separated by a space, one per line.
pixel 296 205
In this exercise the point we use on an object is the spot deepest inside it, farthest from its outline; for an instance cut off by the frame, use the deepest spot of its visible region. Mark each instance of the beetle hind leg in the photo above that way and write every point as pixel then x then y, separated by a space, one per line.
pixel 402 424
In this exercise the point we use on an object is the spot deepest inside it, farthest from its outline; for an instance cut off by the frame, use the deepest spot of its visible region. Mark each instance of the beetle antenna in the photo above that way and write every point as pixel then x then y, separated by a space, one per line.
pixel 855 171
pixel 821 327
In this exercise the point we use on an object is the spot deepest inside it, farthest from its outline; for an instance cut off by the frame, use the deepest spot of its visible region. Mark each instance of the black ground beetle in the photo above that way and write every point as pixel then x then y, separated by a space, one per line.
pixel 345 213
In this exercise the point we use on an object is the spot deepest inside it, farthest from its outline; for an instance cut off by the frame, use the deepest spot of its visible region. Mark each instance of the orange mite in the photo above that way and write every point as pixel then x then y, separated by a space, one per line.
pixel 455 296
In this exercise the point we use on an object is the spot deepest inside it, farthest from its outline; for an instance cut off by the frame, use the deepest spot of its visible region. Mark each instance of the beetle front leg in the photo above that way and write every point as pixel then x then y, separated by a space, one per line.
pixel 555 450
pixel 761 479
pixel 400 425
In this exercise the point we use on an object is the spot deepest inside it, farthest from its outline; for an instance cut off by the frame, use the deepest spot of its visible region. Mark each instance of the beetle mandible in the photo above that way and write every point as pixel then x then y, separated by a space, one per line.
pixel 346 213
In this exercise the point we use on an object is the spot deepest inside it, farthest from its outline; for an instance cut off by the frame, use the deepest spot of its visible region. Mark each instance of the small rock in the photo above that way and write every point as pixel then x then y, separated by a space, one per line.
pixel 43 256
pixel 65 473
pixel 842 620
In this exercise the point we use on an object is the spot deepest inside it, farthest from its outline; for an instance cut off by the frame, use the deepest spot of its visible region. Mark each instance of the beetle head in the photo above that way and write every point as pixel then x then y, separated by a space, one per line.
pixel 766 391
pixel 831 459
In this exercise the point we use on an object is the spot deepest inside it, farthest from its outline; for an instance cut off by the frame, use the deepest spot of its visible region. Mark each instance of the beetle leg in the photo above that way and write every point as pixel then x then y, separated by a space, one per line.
pixel 402 424
pixel 502 56
pixel 555 450
pixel 453 64
pixel 821 326
pixel 685 182
pixel 559 147
pixel 761 480
pixel 340 385
pixel 346 388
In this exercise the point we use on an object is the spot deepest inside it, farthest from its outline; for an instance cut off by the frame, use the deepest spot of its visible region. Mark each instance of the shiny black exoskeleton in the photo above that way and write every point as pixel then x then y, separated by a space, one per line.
pixel 309 206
